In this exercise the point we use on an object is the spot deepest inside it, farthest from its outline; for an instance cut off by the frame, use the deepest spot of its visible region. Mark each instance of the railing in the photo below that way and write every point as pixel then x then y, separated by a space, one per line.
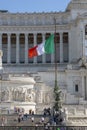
pixel 43 127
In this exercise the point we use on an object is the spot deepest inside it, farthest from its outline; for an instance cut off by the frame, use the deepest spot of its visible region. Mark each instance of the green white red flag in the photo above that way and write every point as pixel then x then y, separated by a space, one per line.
pixel 45 47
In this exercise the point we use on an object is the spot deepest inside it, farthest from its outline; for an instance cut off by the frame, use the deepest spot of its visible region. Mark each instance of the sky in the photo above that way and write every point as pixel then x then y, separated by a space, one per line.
pixel 30 6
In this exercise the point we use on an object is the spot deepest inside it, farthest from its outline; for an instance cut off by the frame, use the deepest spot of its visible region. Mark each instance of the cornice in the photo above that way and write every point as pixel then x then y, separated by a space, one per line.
pixel 7 19
pixel 18 15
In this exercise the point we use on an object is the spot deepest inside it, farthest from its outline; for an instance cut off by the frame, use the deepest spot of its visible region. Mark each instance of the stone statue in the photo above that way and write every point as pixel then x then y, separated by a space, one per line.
pixel 30 97
pixel 18 94
pixel 39 97
pixel 69 67
pixel 66 113
pixel 3 96
pixel 47 98
pixel 82 62
pixel 7 95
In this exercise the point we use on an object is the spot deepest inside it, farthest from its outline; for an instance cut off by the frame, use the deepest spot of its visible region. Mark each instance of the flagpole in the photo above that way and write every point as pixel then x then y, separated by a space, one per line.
pixel 55 68
pixel 57 103
pixel 55 54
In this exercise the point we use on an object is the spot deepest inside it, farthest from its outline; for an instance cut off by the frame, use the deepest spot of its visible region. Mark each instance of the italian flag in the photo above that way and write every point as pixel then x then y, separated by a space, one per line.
pixel 45 47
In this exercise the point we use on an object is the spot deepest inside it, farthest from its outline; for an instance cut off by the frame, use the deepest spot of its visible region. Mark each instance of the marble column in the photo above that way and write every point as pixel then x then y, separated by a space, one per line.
pixel 35 43
pixel 70 48
pixel 40 97
pixel 0 41
pixel 83 45
pixel 26 48
pixel 61 47
pixel 17 48
pixel 83 86
pixel 44 55
pixel 53 55
pixel 9 49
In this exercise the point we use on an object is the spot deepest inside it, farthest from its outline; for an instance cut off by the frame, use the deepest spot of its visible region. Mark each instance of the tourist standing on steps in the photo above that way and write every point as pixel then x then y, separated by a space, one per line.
pixel 22 117
pixel 19 120
pixel 2 121
pixel 32 119
pixel 42 119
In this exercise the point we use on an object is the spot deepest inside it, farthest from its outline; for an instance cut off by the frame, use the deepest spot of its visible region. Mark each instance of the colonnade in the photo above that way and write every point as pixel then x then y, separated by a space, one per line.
pixel 23 56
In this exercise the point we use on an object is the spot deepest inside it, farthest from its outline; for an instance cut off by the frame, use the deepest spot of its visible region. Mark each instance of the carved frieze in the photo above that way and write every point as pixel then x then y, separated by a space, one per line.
pixel 33 28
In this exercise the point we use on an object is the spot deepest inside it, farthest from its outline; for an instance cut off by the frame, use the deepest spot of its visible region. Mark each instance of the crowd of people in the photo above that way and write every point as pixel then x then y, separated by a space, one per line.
pixel 47 111
pixel 30 117
pixel 56 118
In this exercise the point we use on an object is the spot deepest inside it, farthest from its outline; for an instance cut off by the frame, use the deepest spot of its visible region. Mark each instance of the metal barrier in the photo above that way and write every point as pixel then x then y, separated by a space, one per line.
pixel 43 127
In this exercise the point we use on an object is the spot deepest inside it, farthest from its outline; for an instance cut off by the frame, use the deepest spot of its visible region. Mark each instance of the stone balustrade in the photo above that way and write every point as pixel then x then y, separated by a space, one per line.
pixel 77 112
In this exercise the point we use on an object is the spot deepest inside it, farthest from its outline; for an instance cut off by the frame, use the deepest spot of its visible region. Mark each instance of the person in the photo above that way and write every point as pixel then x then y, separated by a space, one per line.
pixel 22 117
pixel 32 119
pixel 26 115
pixel 8 112
pixel 2 124
pixel 19 120
pixel 42 119
pixel 32 112
pixel 3 121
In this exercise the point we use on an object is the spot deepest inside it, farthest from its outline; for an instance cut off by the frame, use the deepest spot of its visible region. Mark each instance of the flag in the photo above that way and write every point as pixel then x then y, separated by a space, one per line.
pixel 45 47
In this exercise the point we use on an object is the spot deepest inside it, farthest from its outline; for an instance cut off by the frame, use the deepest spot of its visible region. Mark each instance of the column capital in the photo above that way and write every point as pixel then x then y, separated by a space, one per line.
pixel 35 34
pixel 43 34
pixel 8 34
pixel 61 33
pixel 26 34
pixel 17 34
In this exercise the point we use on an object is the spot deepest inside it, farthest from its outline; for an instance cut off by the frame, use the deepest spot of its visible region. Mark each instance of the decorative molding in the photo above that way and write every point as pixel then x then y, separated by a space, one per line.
pixel 32 28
